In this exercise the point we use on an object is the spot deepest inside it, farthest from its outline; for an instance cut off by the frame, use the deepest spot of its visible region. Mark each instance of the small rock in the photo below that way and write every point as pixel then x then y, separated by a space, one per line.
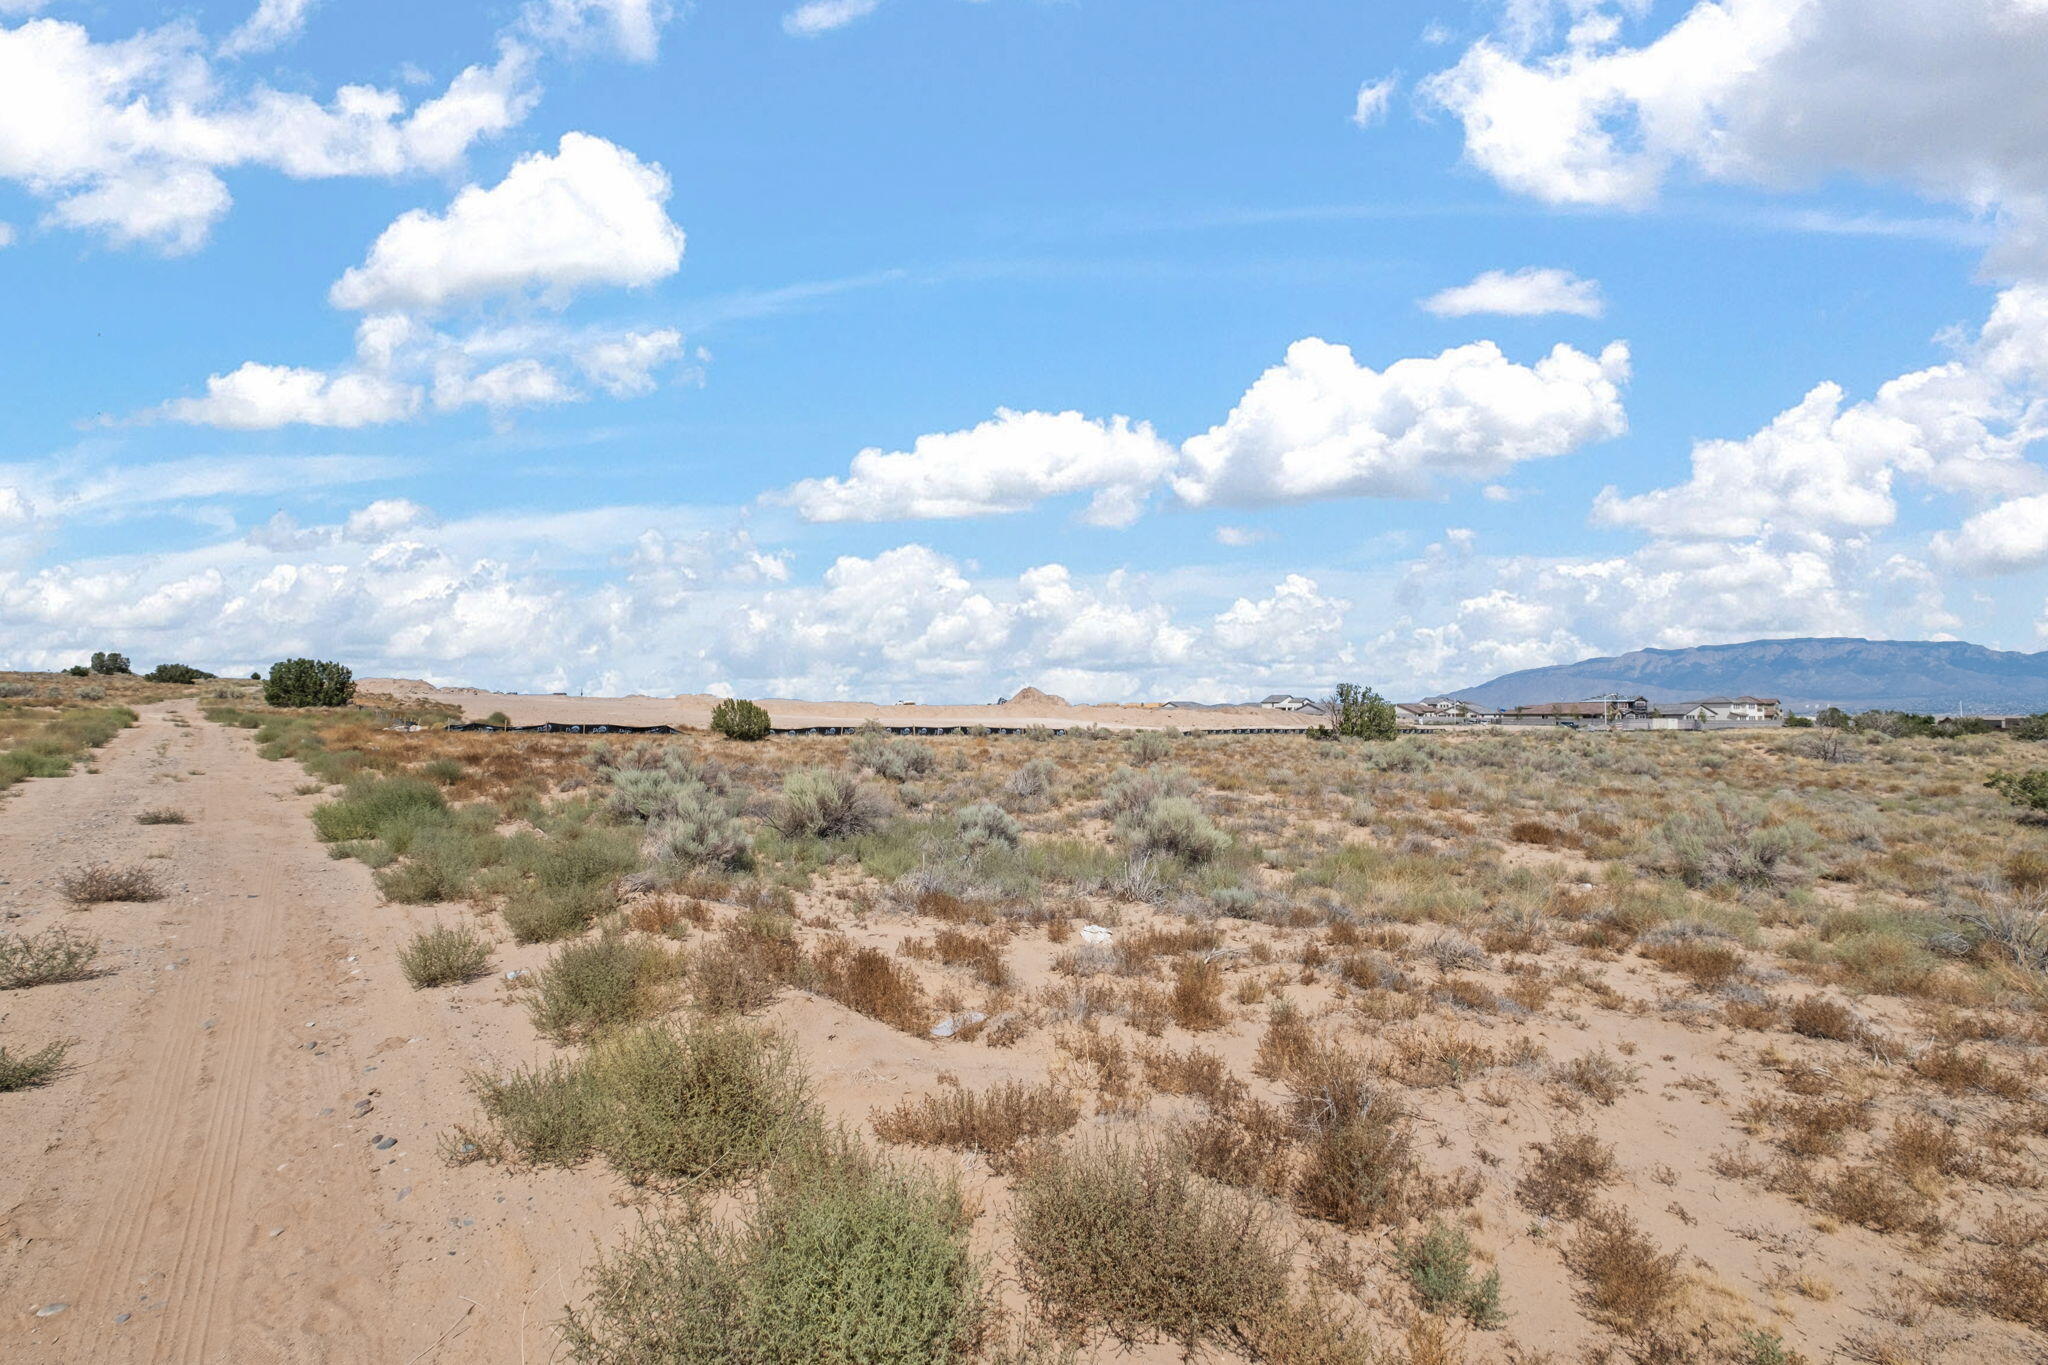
pixel 277 1232
pixel 121 1318
pixel 51 1310
pixel 386 1144
pixel 209 1023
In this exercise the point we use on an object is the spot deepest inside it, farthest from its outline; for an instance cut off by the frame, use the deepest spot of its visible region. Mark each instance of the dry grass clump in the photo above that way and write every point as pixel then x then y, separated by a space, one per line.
pixel 162 815
pixel 22 1071
pixel 53 956
pixel 103 882
pixel 1626 1283
pixel 1708 961
pixel 753 957
pixel 1195 1072
pixel 707 1103
pixel 995 1122
pixel 868 981
pixel 1358 1169
pixel 2005 1272
pixel 1126 1241
pixel 1250 1145
pixel 1598 1075
pixel 602 984
pixel 1816 1016
pixel 1565 1173
pixel 1196 1000
pixel 981 954
pixel 844 1261
pixel 445 955
pixel 1867 1195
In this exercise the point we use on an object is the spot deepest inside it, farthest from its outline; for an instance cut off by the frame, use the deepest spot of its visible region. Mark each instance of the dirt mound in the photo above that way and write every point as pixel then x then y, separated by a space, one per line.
pixel 1031 696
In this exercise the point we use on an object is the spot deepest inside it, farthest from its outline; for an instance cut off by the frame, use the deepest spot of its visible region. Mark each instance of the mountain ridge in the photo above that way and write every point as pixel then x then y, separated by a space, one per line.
pixel 1856 674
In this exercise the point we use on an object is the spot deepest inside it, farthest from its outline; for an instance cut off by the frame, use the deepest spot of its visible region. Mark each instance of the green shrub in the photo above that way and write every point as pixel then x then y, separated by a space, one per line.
pixel 845 1262
pixel 20 1072
pixel 2028 790
pixel 1149 746
pixel 609 981
pixel 1175 826
pixel 393 809
pixel 1361 713
pixel 1439 1265
pixel 738 719
pixel 708 1103
pixel 558 884
pixel 110 663
pixel 1128 1241
pixel 985 823
pixel 817 804
pixel 1730 843
pixel 176 673
pixel 445 956
pixel 308 682
pixel 53 956
pixel 899 759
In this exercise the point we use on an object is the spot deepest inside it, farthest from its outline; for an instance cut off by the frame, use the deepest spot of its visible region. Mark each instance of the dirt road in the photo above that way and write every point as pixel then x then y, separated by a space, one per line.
pixel 240 1165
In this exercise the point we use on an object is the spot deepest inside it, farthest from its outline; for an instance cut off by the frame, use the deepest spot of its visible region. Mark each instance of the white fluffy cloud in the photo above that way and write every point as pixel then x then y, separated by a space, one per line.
pixel 1945 98
pixel 399 361
pixel 814 17
pixel 632 28
pixel 1828 467
pixel 1370 104
pixel 1530 292
pixel 128 138
pixel 259 397
pixel 1006 464
pixel 1323 426
pixel 2004 539
pixel 1318 426
pixel 591 214
pixel 274 23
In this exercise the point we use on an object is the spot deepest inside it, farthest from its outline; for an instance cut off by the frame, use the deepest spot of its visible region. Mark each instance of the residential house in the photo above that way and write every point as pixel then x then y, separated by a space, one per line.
pixel 1281 701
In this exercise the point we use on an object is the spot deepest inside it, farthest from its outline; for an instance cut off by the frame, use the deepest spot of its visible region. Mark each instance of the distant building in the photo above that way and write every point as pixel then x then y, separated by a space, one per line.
pixel 1281 701
pixel 1638 713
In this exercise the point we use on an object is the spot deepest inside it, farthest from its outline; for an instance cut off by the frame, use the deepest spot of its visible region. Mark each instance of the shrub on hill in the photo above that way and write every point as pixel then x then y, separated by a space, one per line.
pixel 110 662
pixel 309 682
pixel 2028 790
pixel 176 673
pixel 738 719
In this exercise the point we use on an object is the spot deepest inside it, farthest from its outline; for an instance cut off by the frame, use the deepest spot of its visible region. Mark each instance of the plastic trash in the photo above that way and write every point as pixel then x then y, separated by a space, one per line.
pixel 953 1023
pixel 1095 933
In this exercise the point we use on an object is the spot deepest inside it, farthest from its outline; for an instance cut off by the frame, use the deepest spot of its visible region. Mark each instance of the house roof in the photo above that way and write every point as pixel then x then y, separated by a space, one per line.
pixel 1281 696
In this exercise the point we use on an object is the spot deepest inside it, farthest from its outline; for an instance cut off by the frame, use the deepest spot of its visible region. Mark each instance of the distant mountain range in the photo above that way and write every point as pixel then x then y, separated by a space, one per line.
pixel 1941 676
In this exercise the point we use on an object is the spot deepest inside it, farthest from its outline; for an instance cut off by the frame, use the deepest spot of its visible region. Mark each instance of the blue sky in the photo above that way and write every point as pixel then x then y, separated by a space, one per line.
pixel 1198 349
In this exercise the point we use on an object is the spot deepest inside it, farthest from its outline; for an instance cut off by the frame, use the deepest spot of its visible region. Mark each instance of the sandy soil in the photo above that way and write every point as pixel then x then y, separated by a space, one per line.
pixel 694 709
pixel 203 1185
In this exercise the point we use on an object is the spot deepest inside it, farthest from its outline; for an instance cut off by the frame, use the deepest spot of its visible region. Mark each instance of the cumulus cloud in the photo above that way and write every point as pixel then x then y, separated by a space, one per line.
pixel 1374 98
pixel 1321 425
pixel 1006 464
pixel 1945 99
pixel 631 28
pixel 2004 539
pixel 1530 292
pixel 128 138
pixel 1827 466
pixel 591 214
pixel 275 23
pixel 814 17
pixel 399 362
pixel 258 397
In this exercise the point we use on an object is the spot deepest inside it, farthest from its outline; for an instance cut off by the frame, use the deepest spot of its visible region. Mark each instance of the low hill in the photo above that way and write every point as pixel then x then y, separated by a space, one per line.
pixel 1941 676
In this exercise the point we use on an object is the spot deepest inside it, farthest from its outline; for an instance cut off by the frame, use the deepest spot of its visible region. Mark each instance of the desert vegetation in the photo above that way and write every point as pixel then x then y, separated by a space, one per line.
pixel 1483 1046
